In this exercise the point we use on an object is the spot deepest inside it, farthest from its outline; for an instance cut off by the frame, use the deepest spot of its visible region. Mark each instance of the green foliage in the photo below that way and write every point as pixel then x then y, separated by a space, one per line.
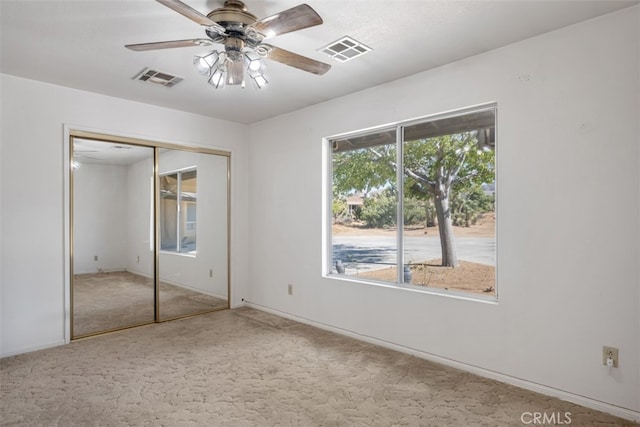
pixel 435 165
pixel 361 170
pixel 467 206
pixel 339 206
pixel 380 211
pixel 415 211
pixel 444 167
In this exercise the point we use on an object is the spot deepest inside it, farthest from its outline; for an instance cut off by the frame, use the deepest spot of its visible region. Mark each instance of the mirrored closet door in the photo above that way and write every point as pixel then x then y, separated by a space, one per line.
pixel 193 233
pixel 112 229
pixel 149 234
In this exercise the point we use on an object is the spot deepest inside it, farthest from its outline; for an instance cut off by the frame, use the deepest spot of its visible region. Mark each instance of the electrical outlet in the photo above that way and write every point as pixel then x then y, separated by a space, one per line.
pixel 610 352
pixel 290 289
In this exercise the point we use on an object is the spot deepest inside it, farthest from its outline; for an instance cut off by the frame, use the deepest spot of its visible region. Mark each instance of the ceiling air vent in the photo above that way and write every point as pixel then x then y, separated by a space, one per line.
pixel 158 78
pixel 345 49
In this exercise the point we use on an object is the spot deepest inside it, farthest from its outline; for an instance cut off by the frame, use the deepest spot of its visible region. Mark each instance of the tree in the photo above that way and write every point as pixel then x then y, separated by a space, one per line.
pixel 433 168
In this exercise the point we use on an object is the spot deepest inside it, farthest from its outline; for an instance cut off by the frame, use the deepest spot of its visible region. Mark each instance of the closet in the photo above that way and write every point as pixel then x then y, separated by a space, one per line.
pixel 149 232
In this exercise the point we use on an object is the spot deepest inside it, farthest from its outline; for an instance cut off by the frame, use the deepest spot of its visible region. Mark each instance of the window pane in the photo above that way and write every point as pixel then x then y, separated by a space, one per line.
pixel 189 197
pixel 448 206
pixel 364 206
pixel 169 212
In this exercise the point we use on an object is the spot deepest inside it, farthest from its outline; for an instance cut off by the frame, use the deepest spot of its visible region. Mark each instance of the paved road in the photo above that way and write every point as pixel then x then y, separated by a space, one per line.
pixel 372 252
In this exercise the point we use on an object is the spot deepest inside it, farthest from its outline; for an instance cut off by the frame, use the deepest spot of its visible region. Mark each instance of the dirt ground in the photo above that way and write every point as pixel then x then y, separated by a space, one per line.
pixel 467 277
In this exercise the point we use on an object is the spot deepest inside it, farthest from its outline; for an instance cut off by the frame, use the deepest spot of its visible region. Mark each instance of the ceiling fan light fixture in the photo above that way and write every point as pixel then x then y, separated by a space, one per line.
pixel 254 61
pixel 259 79
pixel 223 70
pixel 204 63
pixel 255 66
pixel 235 72
pixel 217 78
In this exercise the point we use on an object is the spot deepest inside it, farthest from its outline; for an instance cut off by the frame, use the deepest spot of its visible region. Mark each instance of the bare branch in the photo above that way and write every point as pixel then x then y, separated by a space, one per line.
pixel 470 175
pixel 451 178
pixel 418 177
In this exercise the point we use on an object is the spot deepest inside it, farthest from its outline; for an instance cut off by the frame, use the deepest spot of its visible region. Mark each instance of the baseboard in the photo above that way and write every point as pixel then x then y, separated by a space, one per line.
pixel 618 411
pixel 139 273
pixel 194 289
pixel 102 270
pixel 32 349
pixel 179 285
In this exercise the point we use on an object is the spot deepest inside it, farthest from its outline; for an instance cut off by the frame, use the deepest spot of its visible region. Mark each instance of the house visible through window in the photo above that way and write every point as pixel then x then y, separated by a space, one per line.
pixel 414 204
pixel 178 219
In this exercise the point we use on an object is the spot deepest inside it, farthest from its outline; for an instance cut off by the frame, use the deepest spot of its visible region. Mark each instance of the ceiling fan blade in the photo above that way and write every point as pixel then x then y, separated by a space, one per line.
pixel 191 13
pixel 296 18
pixel 169 44
pixel 294 60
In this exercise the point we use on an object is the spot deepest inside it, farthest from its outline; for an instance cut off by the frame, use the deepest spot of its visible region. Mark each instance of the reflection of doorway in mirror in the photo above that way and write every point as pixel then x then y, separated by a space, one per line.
pixel 178 207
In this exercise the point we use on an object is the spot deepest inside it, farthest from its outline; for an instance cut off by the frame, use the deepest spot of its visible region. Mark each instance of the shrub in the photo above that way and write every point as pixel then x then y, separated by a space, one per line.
pixel 380 210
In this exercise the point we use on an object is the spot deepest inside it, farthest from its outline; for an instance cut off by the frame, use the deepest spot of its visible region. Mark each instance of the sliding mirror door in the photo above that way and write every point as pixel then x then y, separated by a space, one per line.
pixel 112 236
pixel 149 233
pixel 193 233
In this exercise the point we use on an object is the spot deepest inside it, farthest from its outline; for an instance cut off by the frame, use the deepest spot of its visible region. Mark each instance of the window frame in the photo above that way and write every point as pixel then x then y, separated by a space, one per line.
pixel 327 202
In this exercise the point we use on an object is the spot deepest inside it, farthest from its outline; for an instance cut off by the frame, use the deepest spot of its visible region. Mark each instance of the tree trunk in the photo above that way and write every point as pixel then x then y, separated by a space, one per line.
pixel 445 228
pixel 426 216
pixel 430 220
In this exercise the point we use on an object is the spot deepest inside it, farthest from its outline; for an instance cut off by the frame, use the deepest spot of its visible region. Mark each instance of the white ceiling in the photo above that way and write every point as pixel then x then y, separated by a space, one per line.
pixel 107 153
pixel 80 44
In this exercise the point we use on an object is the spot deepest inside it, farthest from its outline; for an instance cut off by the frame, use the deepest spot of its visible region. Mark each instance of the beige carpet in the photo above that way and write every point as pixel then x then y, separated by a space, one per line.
pixel 248 368
pixel 121 299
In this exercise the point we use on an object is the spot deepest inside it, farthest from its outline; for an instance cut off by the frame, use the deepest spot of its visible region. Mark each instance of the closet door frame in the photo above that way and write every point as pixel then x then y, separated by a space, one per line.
pixel 70 135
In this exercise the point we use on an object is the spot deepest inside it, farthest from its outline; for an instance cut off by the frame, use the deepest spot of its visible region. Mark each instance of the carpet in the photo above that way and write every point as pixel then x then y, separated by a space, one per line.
pixel 245 367
pixel 120 299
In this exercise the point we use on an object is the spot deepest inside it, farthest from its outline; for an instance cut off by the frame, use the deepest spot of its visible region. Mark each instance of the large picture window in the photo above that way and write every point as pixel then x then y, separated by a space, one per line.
pixel 414 204
pixel 178 202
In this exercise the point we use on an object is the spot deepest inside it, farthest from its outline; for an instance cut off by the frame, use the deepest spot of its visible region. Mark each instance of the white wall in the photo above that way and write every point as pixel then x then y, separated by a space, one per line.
pixel 568 214
pixel 32 266
pixel 139 252
pixel 100 210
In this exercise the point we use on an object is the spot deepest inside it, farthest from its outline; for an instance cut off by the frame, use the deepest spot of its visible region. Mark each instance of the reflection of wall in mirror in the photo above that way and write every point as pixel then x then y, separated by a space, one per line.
pixel 140 218
pixel 100 217
pixel 113 220
pixel 207 270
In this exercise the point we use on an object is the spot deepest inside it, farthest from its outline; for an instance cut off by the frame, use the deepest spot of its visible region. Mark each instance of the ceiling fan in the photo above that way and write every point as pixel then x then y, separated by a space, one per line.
pixel 242 35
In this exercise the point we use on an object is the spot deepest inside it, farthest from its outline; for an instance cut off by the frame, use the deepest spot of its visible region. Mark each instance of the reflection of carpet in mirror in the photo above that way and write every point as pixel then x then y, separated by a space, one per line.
pixel 105 301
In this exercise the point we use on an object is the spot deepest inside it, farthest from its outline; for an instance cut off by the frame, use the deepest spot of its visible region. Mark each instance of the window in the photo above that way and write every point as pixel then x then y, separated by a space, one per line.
pixel 414 204
pixel 178 202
